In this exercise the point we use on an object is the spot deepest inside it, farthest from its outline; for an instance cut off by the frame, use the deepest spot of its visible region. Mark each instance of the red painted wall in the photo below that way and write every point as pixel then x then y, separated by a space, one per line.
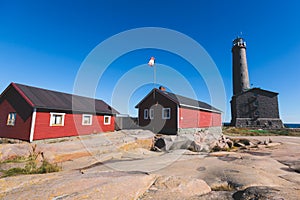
pixel 217 119
pixel 72 126
pixel 191 118
pixel 188 118
pixel 21 129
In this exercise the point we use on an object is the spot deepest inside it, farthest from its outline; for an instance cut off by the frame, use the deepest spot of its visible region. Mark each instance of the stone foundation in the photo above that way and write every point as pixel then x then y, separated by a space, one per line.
pixel 214 131
pixel 195 139
pixel 265 123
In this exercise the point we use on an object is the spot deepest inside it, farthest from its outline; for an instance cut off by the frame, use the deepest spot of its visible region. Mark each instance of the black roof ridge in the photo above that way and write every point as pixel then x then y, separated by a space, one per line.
pixel 57 91
pixel 179 95
pixel 257 88
pixel 55 100
pixel 178 102
pixel 195 100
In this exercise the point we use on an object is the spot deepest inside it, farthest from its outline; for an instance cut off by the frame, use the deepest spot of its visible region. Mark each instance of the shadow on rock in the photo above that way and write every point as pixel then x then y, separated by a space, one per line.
pixel 258 193
pixel 293 166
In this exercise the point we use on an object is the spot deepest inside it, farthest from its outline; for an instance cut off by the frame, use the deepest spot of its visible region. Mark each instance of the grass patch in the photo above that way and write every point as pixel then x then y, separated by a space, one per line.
pixel 12 172
pixel 258 131
pixel 17 159
pixel 47 167
pixel 31 166
pixel 232 131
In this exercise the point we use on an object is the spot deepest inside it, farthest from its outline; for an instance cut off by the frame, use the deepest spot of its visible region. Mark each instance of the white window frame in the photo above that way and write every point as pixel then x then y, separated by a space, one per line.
pixel 52 119
pixel 11 119
pixel 146 113
pixel 151 113
pixel 163 112
pixel 109 119
pixel 90 121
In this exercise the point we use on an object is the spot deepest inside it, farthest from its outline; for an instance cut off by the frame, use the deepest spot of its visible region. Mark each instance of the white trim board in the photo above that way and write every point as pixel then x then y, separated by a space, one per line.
pixel 32 125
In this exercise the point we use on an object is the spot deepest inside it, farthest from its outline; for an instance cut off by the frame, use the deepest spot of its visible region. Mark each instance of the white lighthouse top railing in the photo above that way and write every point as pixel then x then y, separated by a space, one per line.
pixel 239 42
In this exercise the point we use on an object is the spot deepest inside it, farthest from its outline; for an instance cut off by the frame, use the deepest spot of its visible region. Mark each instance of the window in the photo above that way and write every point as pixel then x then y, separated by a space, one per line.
pixel 57 119
pixel 255 103
pixel 151 113
pixel 256 113
pixel 87 119
pixel 166 113
pixel 146 114
pixel 11 119
pixel 107 120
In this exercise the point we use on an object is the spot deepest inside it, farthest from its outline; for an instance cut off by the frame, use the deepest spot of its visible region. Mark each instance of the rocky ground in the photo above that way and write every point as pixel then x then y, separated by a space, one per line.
pixel 120 165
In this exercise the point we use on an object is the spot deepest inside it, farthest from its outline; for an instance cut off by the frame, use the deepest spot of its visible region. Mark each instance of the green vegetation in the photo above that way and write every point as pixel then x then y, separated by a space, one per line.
pixel 31 166
pixel 17 159
pixel 232 131
pixel 47 167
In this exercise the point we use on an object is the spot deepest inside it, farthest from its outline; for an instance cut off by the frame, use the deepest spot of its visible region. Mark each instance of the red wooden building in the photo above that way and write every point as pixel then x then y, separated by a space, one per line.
pixel 30 113
pixel 168 113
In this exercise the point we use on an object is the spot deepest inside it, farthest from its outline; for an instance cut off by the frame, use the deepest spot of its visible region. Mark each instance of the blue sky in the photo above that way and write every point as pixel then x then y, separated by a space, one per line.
pixel 44 43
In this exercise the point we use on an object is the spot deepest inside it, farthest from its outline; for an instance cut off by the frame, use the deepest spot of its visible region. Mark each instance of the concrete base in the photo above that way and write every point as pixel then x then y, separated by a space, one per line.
pixel 265 123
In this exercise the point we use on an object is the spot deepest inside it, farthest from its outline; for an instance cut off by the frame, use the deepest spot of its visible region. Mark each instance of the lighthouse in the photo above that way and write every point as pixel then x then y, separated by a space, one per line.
pixel 250 107
pixel 239 67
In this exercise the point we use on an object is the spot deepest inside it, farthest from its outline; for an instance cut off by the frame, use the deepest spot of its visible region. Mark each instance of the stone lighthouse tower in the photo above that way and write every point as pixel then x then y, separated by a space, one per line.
pixel 239 67
pixel 250 107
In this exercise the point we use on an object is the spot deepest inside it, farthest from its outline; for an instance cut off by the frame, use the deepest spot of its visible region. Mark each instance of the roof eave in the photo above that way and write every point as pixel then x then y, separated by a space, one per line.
pixel 199 108
pixel 13 85
pixel 151 92
pixel 75 111
pixel 137 106
pixel 256 88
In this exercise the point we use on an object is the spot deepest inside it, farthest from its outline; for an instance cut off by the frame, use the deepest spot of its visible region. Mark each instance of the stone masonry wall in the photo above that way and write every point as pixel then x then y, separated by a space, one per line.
pixel 259 123
pixel 256 108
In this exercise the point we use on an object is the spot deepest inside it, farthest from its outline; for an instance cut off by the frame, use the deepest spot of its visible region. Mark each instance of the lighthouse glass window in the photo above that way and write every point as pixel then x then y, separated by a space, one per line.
pixel 11 119
pixel 166 113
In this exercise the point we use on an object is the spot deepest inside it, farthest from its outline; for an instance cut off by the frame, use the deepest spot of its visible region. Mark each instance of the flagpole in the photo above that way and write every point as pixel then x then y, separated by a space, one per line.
pixel 154 71
pixel 151 63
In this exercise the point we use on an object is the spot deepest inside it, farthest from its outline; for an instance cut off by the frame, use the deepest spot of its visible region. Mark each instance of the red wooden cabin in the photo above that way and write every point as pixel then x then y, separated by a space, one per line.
pixel 167 113
pixel 30 113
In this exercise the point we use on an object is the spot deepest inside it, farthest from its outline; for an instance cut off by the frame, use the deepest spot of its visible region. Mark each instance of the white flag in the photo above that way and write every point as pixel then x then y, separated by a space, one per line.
pixel 151 62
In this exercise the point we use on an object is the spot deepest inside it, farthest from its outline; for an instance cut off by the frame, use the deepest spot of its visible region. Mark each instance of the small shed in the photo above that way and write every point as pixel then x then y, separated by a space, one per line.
pixel 169 113
pixel 30 113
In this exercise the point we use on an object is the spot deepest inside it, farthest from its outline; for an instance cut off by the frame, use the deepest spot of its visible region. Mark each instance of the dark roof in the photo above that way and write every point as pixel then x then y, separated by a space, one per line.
pixel 52 100
pixel 259 90
pixel 184 101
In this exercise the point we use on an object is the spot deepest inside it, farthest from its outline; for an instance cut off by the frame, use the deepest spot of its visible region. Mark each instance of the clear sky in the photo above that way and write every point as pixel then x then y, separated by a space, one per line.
pixel 44 43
